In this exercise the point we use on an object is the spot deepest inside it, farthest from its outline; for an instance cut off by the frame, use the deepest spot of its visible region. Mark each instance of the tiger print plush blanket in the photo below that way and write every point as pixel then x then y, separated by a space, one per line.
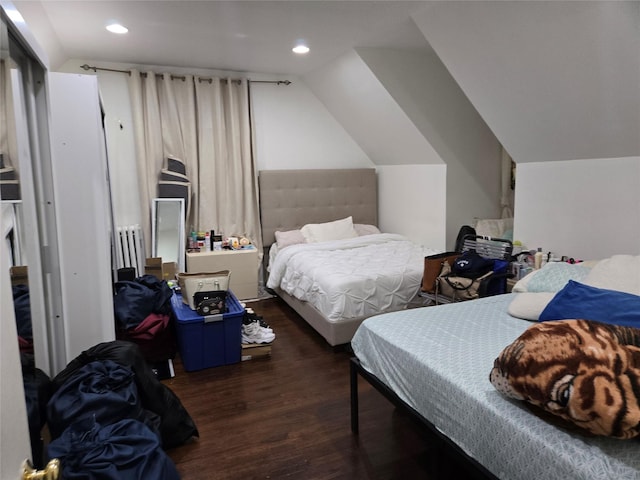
pixel 585 372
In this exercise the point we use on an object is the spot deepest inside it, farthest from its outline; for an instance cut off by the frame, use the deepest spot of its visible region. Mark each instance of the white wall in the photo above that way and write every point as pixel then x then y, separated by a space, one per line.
pixel 360 102
pixel 295 131
pixel 412 202
pixel 421 85
pixel 586 209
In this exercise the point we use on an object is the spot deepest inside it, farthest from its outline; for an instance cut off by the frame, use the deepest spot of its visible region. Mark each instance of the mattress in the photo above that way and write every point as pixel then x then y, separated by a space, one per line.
pixel 351 278
pixel 438 359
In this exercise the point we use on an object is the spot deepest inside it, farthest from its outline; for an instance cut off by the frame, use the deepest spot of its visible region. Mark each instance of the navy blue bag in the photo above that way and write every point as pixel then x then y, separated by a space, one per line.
pixel 471 265
pixel 126 449
pixel 176 425
pixel 135 300
pixel 102 390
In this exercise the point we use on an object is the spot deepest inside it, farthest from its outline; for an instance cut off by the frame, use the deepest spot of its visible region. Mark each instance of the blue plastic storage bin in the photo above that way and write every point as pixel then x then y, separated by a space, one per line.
pixel 210 341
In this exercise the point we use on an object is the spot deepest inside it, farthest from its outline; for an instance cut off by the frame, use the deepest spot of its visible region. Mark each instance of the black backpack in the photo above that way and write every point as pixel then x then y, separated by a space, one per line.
pixel 464 231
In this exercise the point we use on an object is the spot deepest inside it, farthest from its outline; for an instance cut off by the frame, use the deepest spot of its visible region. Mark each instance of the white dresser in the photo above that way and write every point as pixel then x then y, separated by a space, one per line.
pixel 243 265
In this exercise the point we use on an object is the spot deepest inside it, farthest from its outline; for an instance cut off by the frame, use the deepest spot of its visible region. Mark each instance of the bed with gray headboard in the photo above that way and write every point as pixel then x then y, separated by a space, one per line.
pixel 290 199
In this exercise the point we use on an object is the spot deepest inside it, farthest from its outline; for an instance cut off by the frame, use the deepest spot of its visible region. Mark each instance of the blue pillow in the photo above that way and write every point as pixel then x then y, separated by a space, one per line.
pixel 577 300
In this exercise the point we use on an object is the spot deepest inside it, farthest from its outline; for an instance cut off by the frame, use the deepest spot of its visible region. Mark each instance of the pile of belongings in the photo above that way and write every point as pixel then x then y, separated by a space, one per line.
pixel 110 417
pixel 142 309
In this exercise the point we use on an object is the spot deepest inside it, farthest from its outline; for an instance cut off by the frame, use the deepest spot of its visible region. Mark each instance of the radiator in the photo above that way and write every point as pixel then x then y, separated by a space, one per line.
pixel 129 249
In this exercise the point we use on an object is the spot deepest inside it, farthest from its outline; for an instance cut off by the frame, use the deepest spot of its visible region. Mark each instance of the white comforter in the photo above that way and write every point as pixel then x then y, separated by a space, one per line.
pixel 353 278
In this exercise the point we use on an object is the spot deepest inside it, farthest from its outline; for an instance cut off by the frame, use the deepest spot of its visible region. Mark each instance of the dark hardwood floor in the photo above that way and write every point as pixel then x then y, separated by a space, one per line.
pixel 288 416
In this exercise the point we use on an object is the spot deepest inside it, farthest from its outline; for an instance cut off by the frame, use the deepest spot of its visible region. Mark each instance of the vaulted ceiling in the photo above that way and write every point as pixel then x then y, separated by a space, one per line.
pixel 553 80
pixel 236 35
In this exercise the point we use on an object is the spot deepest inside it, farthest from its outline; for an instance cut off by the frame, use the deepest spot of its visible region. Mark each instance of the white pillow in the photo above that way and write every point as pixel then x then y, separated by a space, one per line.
pixel 619 272
pixel 552 277
pixel 291 237
pixel 364 229
pixel 529 305
pixel 522 285
pixel 326 232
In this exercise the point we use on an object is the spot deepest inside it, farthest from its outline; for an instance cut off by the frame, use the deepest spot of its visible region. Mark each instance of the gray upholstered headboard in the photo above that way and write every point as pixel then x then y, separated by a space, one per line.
pixel 289 199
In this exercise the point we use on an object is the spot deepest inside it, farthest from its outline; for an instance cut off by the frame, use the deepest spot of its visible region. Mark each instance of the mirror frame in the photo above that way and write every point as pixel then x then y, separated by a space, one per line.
pixel 177 224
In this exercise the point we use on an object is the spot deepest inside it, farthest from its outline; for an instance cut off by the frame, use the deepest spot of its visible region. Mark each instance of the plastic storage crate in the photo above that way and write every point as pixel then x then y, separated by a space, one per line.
pixel 209 341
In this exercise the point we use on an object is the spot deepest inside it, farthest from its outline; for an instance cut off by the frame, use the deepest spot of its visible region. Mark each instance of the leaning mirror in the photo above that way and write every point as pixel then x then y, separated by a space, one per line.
pixel 167 230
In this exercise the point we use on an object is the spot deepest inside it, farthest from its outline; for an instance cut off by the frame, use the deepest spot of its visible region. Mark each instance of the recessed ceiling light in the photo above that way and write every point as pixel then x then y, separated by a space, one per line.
pixel 117 28
pixel 301 49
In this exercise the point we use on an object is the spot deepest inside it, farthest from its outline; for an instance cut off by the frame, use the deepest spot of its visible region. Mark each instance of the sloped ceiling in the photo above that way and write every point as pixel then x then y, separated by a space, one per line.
pixel 233 35
pixel 553 80
pixel 364 107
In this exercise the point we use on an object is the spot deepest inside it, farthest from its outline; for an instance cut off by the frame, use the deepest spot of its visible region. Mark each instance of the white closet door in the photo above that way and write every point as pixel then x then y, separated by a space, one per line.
pixel 83 215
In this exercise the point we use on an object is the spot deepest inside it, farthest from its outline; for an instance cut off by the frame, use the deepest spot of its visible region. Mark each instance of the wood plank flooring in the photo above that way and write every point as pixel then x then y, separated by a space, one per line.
pixel 287 416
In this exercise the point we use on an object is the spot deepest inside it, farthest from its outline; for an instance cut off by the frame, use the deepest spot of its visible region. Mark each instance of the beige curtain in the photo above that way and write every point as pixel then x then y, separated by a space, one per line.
pixel 227 187
pixel 206 123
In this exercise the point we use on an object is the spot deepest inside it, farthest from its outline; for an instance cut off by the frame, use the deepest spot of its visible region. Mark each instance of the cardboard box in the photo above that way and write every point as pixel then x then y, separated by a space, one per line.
pixel 211 341
pixel 251 351
pixel 169 270
pixel 19 275
pixel 153 266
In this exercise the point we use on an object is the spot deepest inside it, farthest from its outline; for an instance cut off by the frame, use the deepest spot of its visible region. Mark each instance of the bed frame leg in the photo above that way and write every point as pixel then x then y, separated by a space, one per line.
pixel 354 398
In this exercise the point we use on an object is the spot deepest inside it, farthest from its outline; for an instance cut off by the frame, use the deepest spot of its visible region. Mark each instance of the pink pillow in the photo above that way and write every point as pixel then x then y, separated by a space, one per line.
pixel 291 237
pixel 364 229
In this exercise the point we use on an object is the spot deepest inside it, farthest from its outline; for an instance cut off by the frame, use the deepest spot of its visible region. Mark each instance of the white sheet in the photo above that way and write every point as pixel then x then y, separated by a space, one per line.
pixel 352 278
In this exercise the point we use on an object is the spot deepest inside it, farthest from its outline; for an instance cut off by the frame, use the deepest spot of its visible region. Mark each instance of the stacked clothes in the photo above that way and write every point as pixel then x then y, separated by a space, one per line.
pixel 142 309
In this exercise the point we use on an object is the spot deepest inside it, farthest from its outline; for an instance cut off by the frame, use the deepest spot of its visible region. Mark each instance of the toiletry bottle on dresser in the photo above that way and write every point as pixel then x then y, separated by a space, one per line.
pixel 537 259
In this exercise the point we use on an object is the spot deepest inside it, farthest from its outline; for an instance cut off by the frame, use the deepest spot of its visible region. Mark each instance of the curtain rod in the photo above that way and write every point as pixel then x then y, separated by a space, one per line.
pixel 179 77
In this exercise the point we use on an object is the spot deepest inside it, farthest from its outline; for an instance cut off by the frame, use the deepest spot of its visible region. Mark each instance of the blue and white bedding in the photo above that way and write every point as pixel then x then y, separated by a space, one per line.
pixel 351 278
pixel 438 360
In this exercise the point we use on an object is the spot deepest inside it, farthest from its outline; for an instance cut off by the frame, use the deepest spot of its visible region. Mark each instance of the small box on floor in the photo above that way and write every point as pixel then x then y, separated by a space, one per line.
pixel 163 370
pixel 255 350
pixel 208 341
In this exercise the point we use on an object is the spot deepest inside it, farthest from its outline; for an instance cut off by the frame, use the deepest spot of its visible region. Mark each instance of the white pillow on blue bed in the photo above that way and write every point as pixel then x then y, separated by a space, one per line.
pixel 529 305
pixel 329 231
pixel 552 277
pixel 618 272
